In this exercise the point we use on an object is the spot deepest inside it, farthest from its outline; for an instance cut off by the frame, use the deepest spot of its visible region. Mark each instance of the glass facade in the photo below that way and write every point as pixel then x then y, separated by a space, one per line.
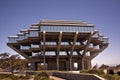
pixel 26 35
pixel 36 53
pixel 50 53
pixel 62 53
pixel 21 37
pixel 24 47
pixel 105 39
pixel 33 33
pixel 50 43
pixel 66 28
pixel 13 39
pixel 34 45
pixel 64 43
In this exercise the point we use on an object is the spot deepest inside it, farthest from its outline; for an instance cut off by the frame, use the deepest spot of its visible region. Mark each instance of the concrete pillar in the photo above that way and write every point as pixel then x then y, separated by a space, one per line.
pixel 57 62
pixel 70 61
pixel 33 65
pixel 79 64
pixel 82 62
pixel 89 64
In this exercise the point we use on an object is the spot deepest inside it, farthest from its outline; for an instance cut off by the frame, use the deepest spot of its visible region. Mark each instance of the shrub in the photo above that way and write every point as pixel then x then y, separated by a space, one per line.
pixel 111 71
pixel 93 71
pixel 118 73
pixel 110 77
pixel 12 77
pixel 96 71
pixel 42 76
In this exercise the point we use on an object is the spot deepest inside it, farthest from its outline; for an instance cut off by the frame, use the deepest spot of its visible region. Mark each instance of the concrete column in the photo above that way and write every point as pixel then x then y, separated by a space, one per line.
pixel 33 65
pixel 44 39
pixel 79 64
pixel 82 62
pixel 89 64
pixel 58 50
pixel 57 62
pixel 70 61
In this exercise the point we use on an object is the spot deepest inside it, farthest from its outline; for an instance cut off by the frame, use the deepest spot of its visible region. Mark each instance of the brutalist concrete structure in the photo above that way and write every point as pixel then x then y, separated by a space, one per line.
pixel 59 44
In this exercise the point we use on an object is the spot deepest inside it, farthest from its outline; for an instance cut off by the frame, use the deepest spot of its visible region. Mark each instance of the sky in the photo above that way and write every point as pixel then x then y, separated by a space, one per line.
pixel 104 14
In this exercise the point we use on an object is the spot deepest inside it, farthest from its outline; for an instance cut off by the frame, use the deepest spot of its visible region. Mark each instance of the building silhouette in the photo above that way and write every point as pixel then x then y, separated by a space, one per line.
pixel 59 44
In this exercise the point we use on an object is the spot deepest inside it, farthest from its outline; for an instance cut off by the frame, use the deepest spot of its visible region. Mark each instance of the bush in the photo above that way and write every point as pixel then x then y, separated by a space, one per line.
pixel 12 77
pixel 96 72
pixel 93 71
pixel 110 77
pixel 111 71
pixel 42 76
pixel 118 73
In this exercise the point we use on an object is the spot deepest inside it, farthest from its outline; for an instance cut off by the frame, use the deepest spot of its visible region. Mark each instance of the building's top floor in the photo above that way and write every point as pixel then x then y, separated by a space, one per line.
pixel 56 26
pixel 63 23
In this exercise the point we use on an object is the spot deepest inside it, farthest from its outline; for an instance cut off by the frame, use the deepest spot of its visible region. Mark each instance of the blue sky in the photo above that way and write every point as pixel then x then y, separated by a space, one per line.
pixel 105 14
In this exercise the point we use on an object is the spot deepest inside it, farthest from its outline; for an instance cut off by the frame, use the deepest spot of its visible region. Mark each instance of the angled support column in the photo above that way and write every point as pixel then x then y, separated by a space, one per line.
pixel 85 49
pixel 58 49
pixel 73 46
pixel 44 39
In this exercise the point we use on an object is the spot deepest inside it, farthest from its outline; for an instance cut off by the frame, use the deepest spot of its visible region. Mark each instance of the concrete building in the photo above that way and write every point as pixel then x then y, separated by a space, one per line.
pixel 59 44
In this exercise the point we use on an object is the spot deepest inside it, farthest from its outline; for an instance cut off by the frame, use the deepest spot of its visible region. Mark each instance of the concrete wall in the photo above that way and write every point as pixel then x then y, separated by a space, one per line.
pixel 69 76
pixel 73 76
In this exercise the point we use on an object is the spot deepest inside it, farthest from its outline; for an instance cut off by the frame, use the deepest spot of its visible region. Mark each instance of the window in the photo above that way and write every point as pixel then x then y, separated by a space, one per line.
pixel 21 36
pixel 13 39
pixel 36 53
pixel 64 43
pixel 24 47
pixel 105 39
pixel 50 43
pixel 66 28
pixel 62 53
pixel 50 53
pixel 33 33
pixel 34 45
pixel 26 35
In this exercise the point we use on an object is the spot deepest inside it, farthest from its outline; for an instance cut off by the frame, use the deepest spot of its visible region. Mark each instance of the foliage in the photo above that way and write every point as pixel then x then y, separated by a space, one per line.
pixel 110 77
pixel 93 71
pixel 12 62
pixel 100 73
pixel 42 76
pixel 12 77
pixel 103 66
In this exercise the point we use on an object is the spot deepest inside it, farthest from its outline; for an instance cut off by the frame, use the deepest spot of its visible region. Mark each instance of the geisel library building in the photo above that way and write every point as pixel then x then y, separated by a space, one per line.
pixel 59 45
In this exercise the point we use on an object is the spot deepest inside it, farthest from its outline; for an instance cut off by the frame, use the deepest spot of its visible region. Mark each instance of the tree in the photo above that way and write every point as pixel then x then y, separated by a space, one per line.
pixel 103 66
pixel 13 62
pixel 95 66
pixel 4 60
